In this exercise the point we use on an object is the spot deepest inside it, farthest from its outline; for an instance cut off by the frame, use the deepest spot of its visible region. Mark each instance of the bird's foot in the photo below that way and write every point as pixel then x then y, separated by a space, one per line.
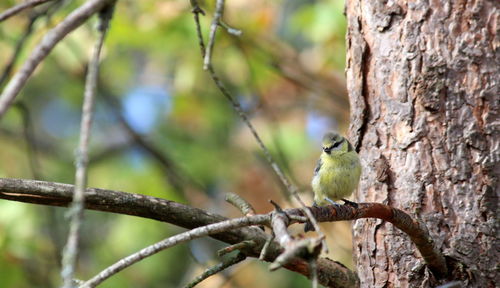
pixel 350 203
pixel 332 202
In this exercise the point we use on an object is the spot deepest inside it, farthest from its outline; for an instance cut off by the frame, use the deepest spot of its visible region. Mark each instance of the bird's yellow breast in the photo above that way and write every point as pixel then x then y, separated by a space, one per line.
pixel 337 177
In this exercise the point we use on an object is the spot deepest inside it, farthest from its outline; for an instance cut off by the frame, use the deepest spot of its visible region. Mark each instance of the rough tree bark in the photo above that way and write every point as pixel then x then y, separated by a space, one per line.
pixel 423 80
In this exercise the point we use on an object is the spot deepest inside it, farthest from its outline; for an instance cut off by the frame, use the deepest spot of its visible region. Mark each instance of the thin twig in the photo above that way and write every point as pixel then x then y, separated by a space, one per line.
pixel 265 248
pixel 81 162
pixel 229 29
pixel 172 241
pixel 217 268
pixel 20 7
pixel 292 189
pixel 33 17
pixel 240 203
pixel 238 246
pixel 18 49
pixel 71 22
pixel 271 116
pixel 196 14
pixel 219 10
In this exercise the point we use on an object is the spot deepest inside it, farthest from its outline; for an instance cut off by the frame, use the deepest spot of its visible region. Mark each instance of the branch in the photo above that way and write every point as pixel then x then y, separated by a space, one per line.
pixel 56 194
pixel 240 203
pixel 330 273
pixel 219 10
pixel 306 248
pixel 33 17
pixel 414 228
pixel 20 7
pixel 70 23
pixel 292 189
pixel 172 241
pixel 238 246
pixel 228 262
pixel 81 159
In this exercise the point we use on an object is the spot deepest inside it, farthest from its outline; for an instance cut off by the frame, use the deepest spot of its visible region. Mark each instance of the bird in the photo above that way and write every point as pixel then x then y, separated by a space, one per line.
pixel 338 171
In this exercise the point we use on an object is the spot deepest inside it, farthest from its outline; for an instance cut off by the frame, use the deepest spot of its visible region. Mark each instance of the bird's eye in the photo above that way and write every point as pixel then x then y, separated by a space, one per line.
pixel 335 145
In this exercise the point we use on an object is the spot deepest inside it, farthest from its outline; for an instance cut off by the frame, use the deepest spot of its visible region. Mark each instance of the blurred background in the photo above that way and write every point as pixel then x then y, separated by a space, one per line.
pixel 162 128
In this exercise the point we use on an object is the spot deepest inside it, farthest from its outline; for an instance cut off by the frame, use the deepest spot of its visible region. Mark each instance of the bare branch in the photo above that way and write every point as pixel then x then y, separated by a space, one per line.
pixel 219 10
pixel 56 194
pixel 240 203
pixel 71 22
pixel 217 268
pixel 238 246
pixel 81 162
pixel 263 252
pixel 330 273
pixel 172 241
pixel 24 37
pixel 20 7
pixel 196 14
pixel 292 189
pixel 416 230
pixel 229 29
pixel 305 248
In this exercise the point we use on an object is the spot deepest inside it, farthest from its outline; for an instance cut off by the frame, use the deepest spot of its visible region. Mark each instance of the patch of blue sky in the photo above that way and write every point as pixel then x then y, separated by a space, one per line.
pixel 144 105
pixel 317 125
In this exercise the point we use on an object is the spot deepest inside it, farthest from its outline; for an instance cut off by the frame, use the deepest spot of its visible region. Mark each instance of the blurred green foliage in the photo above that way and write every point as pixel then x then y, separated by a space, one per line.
pixel 281 70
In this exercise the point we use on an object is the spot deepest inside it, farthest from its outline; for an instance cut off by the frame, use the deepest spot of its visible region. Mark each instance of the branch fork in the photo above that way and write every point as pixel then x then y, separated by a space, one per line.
pixel 304 248
pixel 330 273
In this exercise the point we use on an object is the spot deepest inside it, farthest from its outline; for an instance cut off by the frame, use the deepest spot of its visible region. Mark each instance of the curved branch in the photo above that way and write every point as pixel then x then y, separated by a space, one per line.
pixel 414 228
pixel 172 241
pixel 330 273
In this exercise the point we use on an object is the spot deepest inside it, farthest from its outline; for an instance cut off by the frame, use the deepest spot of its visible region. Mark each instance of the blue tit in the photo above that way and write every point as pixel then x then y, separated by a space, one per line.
pixel 337 174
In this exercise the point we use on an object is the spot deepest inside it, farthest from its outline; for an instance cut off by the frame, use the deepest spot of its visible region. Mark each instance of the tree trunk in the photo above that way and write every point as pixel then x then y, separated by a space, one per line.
pixel 423 80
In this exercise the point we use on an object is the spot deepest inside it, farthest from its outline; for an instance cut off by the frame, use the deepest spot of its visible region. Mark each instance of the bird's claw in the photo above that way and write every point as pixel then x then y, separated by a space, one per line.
pixel 350 203
pixel 332 202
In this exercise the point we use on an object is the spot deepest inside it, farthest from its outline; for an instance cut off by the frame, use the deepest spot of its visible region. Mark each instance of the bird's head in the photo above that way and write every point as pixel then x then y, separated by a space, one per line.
pixel 334 144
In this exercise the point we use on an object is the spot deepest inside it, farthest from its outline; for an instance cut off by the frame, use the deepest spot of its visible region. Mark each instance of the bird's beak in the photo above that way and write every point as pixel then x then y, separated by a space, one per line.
pixel 327 150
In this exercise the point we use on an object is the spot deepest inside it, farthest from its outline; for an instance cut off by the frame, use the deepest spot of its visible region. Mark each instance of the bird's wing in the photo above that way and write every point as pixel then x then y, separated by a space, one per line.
pixel 318 166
